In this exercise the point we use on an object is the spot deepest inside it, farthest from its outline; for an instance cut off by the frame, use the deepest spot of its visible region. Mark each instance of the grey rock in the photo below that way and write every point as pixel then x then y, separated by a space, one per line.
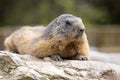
pixel 26 67
pixel 105 57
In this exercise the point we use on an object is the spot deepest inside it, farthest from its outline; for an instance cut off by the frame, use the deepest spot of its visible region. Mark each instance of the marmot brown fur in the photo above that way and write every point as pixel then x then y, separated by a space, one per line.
pixel 64 36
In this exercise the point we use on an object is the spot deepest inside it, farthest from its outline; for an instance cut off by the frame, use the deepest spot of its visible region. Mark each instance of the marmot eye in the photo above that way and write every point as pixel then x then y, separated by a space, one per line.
pixel 68 22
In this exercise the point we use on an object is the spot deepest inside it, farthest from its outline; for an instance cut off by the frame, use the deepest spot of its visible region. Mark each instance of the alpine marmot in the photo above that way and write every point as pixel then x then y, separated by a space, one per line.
pixel 64 36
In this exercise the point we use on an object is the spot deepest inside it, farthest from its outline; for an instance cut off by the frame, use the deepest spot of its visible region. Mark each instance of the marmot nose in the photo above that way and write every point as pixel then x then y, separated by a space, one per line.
pixel 82 30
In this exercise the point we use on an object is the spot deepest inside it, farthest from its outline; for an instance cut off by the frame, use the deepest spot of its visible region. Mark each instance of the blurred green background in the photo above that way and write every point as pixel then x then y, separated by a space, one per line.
pixel 101 18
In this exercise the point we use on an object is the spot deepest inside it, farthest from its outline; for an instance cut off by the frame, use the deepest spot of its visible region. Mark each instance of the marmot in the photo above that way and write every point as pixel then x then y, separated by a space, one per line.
pixel 64 36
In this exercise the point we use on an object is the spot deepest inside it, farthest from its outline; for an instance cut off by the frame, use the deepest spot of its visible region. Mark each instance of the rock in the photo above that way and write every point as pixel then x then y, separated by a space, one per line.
pixel 106 57
pixel 26 67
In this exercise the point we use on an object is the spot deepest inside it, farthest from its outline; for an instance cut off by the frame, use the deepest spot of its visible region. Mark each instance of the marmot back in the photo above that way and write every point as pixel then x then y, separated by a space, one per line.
pixel 64 36
pixel 14 43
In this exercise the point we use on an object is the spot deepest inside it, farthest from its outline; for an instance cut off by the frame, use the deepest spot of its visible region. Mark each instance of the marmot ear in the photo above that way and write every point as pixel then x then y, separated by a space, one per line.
pixel 58 20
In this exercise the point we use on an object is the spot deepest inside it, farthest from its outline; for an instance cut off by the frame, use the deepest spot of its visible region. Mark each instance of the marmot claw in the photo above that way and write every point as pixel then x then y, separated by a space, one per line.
pixel 56 58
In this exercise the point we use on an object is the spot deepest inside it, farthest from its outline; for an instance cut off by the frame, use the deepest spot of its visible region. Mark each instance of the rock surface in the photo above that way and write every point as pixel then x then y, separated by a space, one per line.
pixel 95 55
pixel 25 67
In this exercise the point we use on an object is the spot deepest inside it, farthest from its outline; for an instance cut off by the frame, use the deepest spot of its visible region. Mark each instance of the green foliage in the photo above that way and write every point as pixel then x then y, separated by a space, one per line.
pixel 92 15
pixel 35 12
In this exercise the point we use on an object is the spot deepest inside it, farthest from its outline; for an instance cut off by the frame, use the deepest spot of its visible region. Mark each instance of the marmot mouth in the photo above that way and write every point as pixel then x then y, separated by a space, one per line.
pixel 79 35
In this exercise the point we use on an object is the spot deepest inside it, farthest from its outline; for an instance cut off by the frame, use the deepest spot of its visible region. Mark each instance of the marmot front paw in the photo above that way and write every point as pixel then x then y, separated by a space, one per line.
pixel 56 58
pixel 80 57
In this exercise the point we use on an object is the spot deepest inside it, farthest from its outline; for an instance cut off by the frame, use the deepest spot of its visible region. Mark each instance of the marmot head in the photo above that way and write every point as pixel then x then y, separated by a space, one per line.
pixel 66 26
